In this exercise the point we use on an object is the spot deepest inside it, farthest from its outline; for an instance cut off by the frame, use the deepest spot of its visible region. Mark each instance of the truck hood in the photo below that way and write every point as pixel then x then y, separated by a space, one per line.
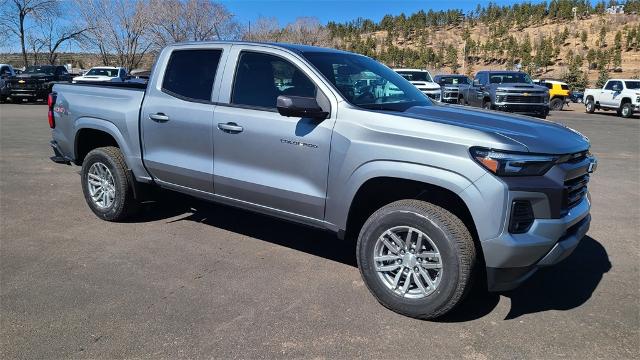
pixel 426 84
pixel 33 76
pixel 537 135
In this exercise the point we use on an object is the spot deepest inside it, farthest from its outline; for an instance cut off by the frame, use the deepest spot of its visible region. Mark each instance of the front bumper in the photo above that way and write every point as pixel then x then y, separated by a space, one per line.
pixel 28 93
pixel 513 258
pixel 450 96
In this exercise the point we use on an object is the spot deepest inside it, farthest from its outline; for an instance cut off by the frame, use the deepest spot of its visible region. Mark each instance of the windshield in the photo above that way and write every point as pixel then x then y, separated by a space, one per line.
pixel 509 78
pixel 415 75
pixel 365 82
pixel 454 80
pixel 103 72
pixel 632 84
pixel 39 70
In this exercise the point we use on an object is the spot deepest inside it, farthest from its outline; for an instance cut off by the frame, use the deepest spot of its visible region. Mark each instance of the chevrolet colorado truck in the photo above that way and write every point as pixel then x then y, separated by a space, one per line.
pixel 621 95
pixel 510 91
pixel 437 196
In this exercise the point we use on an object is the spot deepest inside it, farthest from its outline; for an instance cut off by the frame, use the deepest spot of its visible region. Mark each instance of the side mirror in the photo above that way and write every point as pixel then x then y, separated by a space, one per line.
pixel 616 87
pixel 476 82
pixel 298 106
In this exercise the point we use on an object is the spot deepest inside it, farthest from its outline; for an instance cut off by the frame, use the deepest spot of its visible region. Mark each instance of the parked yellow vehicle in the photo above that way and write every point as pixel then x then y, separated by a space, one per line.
pixel 559 93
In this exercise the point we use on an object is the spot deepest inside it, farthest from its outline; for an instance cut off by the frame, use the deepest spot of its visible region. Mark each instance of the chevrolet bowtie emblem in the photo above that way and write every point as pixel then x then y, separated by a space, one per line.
pixel 525 94
pixel 21 81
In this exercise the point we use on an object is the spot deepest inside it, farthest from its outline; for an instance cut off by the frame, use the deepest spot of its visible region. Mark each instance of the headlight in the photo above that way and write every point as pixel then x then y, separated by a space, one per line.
pixel 504 163
pixel 500 98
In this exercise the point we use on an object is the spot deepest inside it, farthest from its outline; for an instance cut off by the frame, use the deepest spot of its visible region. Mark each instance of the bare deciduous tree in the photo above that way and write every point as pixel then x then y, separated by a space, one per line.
pixel 54 35
pixel 190 20
pixel 14 13
pixel 116 27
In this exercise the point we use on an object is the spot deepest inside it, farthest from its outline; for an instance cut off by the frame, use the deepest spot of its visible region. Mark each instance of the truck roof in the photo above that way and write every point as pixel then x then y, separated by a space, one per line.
pixel 291 47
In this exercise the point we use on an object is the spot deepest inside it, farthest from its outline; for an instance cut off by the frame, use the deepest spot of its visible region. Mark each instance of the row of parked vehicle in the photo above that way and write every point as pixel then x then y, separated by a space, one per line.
pixel 35 82
pixel 515 91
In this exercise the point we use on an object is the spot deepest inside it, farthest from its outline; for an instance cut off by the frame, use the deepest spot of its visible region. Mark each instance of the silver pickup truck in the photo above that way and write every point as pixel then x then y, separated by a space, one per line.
pixel 437 196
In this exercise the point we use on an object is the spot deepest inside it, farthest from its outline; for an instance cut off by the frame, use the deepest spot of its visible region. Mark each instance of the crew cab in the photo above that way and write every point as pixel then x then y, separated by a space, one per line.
pixel 450 85
pixel 292 131
pixel 6 72
pixel 103 73
pixel 423 81
pixel 621 95
pixel 510 91
pixel 36 82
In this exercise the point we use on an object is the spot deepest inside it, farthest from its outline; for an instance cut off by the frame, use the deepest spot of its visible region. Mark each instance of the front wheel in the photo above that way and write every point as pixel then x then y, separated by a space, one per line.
pixel 416 258
pixel 556 104
pixel 626 110
pixel 590 106
pixel 107 185
pixel 486 104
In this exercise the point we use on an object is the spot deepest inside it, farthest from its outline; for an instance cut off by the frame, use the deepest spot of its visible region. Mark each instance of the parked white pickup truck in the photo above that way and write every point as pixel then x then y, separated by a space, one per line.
pixel 103 74
pixel 622 95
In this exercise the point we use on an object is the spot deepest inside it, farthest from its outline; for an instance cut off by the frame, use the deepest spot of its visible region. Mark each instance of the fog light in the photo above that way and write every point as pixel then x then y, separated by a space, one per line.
pixel 521 217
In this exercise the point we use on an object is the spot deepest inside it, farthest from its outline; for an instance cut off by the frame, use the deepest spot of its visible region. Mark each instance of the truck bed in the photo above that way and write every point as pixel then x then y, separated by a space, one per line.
pixel 110 107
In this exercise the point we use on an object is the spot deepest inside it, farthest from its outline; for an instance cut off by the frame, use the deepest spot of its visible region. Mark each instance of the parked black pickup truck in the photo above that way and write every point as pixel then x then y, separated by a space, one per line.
pixel 450 86
pixel 510 91
pixel 36 81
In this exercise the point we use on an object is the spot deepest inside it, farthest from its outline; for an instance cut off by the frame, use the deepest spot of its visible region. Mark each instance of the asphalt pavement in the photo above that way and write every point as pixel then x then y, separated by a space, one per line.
pixel 189 279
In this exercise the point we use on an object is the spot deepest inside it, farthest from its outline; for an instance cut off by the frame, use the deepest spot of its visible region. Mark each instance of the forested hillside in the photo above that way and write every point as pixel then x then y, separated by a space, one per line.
pixel 548 40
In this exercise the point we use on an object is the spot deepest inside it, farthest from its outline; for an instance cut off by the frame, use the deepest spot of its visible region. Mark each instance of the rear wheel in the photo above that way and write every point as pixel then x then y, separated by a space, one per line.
pixel 107 185
pixel 556 104
pixel 626 110
pixel 590 106
pixel 416 258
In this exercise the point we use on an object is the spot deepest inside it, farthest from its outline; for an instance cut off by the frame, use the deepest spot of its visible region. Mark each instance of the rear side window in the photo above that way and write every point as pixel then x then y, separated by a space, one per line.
pixel 261 78
pixel 190 73
pixel 564 87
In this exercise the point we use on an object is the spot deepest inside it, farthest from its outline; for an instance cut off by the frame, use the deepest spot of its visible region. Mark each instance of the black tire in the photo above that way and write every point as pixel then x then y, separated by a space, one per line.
pixel 461 100
pixel 590 106
pixel 626 110
pixel 556 104
pixel 447 232
pixel 124 204
pixel 487 105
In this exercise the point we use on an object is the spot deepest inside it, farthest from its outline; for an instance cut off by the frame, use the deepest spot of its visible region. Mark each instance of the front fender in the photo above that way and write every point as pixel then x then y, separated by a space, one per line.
pixel 339 203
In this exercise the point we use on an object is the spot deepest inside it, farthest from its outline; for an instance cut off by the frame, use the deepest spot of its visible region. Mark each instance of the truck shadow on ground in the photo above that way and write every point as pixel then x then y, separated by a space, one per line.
pixel 564 286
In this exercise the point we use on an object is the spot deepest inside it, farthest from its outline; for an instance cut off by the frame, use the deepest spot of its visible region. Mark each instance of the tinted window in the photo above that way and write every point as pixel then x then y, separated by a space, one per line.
pixel 510 78
pixel 190 73
pixel 49 70
pixel 483 78
pixel 611 84
pixel 261 78
pixel 415 75
pixel 632 84
pixel 365 82
pixel 453 80
pixel 103 72
pixel 564 87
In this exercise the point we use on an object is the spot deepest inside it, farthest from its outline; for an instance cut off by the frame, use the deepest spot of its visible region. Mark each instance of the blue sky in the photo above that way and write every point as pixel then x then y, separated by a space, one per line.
pixel 341 10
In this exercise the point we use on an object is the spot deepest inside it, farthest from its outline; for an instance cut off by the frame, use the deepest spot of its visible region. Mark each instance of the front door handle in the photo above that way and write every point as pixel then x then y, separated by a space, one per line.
pixel 159 117
pixel 230 127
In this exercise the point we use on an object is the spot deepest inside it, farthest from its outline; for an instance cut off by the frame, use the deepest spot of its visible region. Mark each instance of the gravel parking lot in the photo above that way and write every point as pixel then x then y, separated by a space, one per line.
pixel 196 280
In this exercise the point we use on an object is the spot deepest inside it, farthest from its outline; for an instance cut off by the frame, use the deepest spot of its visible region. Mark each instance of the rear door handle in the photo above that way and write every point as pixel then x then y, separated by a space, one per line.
pixel 230 127
pixel 159 117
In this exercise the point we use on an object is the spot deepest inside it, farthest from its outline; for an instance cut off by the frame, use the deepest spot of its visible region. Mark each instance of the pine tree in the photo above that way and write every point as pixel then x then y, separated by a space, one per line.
pixel 603 76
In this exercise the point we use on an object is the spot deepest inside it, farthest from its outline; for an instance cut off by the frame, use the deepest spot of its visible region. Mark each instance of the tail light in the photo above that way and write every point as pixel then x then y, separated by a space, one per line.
pixel 51 101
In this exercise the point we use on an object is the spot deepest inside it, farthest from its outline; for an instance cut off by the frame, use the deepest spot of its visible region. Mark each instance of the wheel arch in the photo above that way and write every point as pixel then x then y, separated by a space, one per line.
pixel 93 133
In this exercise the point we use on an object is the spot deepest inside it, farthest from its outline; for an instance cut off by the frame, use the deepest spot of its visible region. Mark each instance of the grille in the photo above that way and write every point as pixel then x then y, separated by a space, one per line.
pixel 519 99
pixel 574 191
pixel 26 85
pixel 433 96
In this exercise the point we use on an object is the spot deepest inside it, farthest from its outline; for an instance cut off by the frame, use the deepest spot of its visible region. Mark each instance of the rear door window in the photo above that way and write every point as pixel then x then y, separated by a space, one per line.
pixel 190 74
